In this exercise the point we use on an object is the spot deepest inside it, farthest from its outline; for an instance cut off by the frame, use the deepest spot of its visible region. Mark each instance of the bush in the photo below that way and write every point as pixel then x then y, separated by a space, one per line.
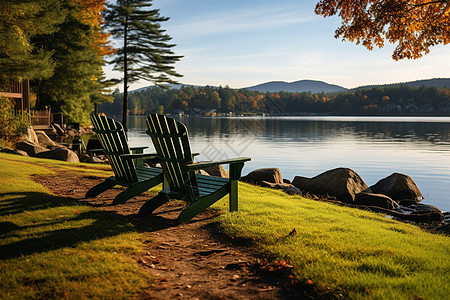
pixel 11 125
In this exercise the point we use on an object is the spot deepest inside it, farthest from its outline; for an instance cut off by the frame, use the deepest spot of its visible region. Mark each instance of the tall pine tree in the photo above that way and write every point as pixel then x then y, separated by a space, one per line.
pixel 146 52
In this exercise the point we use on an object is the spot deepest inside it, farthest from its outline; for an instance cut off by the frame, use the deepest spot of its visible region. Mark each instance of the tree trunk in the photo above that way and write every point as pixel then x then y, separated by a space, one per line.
pixel 125 78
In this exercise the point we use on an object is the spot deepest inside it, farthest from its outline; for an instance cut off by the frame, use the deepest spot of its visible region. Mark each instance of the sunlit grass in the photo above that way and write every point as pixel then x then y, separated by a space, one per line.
pixel 342 251
pixel 52 247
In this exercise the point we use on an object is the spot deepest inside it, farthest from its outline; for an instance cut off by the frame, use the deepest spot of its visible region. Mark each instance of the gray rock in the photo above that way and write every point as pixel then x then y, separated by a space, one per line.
pixel 342 183
pixel 422 213
pixel 30 136
pixel 90 159
pixel 44 140
pixel 72 133
pixel 30 148
pixel 203 172
pixel 272 175
pixel 63 154
pixel 13 151
pixel 286 187
pixel 218 171
pixel 399 187
pixel 300 182
pixel 378 200
pixel 445 229
pixel 58 129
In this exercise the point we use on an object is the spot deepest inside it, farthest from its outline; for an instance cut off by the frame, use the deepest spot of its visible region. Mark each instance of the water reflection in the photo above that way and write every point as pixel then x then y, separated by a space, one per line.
pixel 373 147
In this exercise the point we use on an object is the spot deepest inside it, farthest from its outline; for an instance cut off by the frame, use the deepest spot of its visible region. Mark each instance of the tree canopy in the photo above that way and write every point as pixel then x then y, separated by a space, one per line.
pixel 20 21
pixel 413 25
pixel 78 48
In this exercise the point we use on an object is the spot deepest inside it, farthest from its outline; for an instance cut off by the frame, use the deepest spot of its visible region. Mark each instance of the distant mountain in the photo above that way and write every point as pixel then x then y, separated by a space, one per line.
pixel 436 82
pixel 300 86
pixel 315 86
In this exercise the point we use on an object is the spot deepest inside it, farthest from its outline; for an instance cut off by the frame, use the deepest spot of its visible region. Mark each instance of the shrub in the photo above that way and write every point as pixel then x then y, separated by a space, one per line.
pixel 11 124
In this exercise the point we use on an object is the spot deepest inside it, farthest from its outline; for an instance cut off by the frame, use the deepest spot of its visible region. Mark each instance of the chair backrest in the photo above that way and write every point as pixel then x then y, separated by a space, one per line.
pixel 114 143
pixel 171 142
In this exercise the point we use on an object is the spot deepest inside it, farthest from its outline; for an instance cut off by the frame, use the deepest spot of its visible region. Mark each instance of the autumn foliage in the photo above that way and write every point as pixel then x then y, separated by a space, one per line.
pixel 414 26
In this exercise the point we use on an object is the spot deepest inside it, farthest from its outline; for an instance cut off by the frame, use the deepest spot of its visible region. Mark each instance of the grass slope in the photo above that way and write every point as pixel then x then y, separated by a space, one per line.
pixel 343 252
pixel 52 247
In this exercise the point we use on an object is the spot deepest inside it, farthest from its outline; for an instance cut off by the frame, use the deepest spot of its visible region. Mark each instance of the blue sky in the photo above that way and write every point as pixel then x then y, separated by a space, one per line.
pixel 247 42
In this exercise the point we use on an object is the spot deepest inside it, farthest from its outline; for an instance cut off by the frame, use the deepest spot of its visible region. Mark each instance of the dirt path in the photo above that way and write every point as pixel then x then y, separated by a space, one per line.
pixel 189 261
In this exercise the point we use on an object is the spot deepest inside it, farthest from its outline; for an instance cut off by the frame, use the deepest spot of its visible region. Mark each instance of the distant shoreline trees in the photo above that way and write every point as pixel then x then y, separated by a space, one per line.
pixel 389 100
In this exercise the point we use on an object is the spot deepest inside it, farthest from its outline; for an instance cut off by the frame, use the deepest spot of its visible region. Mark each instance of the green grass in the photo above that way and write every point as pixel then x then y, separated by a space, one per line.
pixel 52 247
pixel 342 251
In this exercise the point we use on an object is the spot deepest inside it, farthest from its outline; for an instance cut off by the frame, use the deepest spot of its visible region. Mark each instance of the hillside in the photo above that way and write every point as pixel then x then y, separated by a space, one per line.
pixel 435 82
pixel 300 86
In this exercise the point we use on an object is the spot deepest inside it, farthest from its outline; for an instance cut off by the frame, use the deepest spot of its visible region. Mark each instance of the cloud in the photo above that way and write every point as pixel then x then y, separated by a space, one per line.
pixel 267 17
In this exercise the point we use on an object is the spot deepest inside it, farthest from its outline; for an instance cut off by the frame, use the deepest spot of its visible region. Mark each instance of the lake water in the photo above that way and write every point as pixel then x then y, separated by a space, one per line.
pixel 374 147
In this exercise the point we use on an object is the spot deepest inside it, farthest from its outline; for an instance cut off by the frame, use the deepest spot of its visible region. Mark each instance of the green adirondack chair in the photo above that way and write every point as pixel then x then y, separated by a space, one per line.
pixel 126 162
pixel 170 139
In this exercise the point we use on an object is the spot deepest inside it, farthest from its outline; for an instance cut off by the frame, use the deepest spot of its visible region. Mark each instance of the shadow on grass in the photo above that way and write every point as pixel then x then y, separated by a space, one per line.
pixel 101 224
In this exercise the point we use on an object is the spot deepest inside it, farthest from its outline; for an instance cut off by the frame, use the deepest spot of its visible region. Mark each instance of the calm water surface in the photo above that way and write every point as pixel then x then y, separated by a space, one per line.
pixel 374 147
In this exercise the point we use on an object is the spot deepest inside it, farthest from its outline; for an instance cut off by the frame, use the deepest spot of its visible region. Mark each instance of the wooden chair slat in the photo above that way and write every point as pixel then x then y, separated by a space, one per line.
pixel 171 141
pixel 114 142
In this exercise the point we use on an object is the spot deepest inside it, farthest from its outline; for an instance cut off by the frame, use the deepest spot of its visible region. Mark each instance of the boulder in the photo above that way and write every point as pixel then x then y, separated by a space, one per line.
pixel 59 154
pixel 58 129
pixel 218 171
pixel 73 133
pixel 44 140
pixel 300 182
pixel 272 175
pixel 341 183
pixel 445 229
pixel 378 200
pixel 286 187
pixel 203 172
pixel 421 213
pixel 30 148
pixel 90 159
pixel 30 136
pixel 399 187
pixel 13 151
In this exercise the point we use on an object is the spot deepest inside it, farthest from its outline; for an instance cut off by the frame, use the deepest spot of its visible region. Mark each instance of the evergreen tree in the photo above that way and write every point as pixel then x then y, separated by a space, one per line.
pixel 78 48
pixel 20 20
pixel 145 52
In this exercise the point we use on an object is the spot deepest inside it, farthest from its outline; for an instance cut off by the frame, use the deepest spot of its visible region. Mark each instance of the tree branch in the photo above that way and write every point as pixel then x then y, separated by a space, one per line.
pixel 427 3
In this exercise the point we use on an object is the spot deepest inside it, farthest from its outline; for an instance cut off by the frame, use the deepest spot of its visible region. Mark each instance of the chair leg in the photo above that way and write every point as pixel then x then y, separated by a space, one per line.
pixel 201 204
pixel 233 195
pixel 153 204
pixel 100 188
pixel 136 190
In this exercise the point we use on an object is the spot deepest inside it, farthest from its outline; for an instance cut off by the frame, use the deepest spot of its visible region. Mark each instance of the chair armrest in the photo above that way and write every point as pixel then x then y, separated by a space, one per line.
pixel 138 155
pixel 139 149
pixel 95 150
pixel 206 164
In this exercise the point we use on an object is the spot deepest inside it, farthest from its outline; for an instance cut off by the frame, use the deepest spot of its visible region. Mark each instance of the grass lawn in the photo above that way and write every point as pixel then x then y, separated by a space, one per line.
pixel 52 247
pixel 343 252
